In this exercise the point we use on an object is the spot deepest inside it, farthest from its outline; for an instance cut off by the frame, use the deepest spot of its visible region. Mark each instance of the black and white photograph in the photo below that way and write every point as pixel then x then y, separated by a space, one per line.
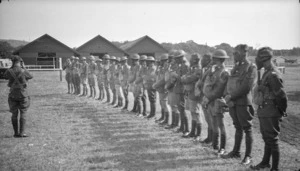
pixel 134 85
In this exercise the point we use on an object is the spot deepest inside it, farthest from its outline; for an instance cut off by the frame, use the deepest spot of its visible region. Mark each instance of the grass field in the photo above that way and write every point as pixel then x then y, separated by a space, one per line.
pixel 78 133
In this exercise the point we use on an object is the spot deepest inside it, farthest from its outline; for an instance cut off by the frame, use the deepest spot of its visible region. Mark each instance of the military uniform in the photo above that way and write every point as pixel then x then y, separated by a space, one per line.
pixel 139 81
pixel 106 77
pixel 148 81
pixel 118 79
pixel 92 76
pixel 214 86
pixel 100 79
pixel 177 94
pixel 239 85
pixel 136 88
pixel 193 102
pixel 111 74
pixel 159 85
pixel 205 64
pixel 76 75
pixel 84 76
pixel 271 107
pixel 124 80
pixel 18 98
pixel 67 67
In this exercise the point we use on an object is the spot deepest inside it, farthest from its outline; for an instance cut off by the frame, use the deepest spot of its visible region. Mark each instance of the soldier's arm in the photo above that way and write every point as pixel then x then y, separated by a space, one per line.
pixel 246 84
pixel 218 89
pixel 6 75
pixel 192 78
pixel 27 74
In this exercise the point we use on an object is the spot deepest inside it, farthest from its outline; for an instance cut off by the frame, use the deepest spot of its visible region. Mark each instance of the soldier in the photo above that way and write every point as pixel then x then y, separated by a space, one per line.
pixel 72 75
pixel 213 90
pixel 139 82
pixel 76 76
pixel 118 78
pixel 205 65
pixel 135 87
pixel 272 105
pixel 84 76
pixel 239 100
pixel 106 76
pixel 171 68
pixel 148 81
pixel 124 80
pixel 92 76
pixel 18 98
pixel 193 102
pixel 67 68
pixel 111 76
pixel 178 104
pixel 100 78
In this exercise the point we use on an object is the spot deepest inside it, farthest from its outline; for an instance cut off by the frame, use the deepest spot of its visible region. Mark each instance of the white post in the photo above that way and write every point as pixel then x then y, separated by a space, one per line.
pixel 60 69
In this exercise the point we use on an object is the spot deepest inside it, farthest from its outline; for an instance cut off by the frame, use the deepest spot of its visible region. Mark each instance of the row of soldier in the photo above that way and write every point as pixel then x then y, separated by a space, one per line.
pixel 201 86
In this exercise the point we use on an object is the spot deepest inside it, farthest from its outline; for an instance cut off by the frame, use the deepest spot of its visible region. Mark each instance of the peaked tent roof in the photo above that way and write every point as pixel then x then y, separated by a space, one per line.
pixel 101 38
pixel 51 38
pixel 131 44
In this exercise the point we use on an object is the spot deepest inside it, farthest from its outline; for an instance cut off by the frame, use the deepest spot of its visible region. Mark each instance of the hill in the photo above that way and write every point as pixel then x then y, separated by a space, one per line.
pixel 14 43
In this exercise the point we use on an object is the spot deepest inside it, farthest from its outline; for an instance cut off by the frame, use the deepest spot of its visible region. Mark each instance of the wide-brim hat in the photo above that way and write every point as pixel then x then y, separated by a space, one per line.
pixel 220 53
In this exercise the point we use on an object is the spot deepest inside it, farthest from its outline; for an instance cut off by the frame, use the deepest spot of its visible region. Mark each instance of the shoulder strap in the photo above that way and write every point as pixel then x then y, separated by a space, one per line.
pixel 16 83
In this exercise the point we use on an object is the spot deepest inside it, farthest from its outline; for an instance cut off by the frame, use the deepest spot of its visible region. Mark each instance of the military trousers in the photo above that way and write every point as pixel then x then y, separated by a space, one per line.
pixel 208 118
pixel 163 101
pixel 242 116
pixel 125 92
pixel 17 105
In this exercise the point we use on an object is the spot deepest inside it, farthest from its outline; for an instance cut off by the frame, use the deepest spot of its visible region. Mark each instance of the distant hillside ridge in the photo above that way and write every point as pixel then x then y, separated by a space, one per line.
pixel 14 43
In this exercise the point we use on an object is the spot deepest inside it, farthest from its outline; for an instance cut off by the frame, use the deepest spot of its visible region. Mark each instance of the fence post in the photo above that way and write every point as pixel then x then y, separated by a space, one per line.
pixel 60 69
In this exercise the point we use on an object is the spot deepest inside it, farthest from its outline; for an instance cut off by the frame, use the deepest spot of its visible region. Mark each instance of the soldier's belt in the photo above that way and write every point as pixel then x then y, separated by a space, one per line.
pixel 267 103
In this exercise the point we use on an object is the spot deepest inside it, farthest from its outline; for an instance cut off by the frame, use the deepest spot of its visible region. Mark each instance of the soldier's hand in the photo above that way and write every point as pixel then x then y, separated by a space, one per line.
pixel 227 98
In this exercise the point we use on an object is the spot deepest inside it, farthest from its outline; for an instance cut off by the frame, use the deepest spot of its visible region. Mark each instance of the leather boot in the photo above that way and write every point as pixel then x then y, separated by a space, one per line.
pixel 249 142
pixel 134 109
pixel 193 130
pixel 198 132
pixel 166 119
pixel 182 124
pixel 22 128
pixel 173 124
pixel 215 141
pixel 152 110
pixel 162 116
pixel 107 96
pixel 15 126
pixel 126 105
pixel 114 98
pixel 223 141
pixel 144 106
pixel 265 163
pixel 275 157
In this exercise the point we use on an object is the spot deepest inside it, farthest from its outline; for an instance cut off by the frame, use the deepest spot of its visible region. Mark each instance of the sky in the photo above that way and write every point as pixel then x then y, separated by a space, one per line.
pixel 274 23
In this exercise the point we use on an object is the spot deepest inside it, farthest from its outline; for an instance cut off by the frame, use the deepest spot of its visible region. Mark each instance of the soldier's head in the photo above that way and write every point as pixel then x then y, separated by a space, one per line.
pixel 163 59
pixel 92 59
pixel 219 56
pixel 240 52
pixel 83 59
pixel 118 60
pixel 106 59
pixel 112 60
pixel 206 60
pixel 157 61
pixel 76 59
pixel 135 59
pixel 16 61
pixel 143 59
pixel 263 57
pixel 99 61
pixel 195 59
pixel 72 58
pixel 171 56
pixel 150 61
pixel 179 56
pixel 123 60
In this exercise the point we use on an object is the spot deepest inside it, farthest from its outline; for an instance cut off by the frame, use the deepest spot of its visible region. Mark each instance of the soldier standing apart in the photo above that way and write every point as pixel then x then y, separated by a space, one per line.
pixel 148 81
pixel 169 86
pixel 68 77
pixel 272 104
pixel 205 65
pixel 239 100
pixel 84 76
pixel 135 88
pixel 111 76
pixel 124 80
pixel 106 76
pixel 159 85
pixel 92 76
pixel 118 78
pixel 73 74
pixel 99 73
pixel 213 90
pixel 18 98
pixel 193 101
